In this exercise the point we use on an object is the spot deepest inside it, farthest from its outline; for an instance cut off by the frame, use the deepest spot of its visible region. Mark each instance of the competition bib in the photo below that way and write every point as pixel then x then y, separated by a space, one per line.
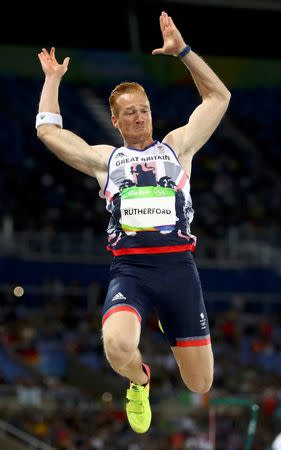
pixel 148 208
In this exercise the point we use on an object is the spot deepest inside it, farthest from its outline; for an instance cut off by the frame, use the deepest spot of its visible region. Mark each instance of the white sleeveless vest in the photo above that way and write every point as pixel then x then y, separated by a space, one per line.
pixel 148 195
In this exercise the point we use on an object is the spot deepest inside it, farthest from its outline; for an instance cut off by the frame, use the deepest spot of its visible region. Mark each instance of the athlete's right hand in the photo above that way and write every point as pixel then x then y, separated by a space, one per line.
pixel 49 64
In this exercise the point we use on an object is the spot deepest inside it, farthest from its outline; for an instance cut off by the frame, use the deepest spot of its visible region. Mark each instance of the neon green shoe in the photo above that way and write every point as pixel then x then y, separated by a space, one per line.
pixel 138 407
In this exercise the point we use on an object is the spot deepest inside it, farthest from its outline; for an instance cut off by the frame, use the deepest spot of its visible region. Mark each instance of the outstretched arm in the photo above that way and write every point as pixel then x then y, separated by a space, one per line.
pixel 215 96
pixel 66 145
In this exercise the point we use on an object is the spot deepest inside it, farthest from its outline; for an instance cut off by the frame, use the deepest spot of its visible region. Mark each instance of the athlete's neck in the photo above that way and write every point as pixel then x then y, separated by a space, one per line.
pixel 139 145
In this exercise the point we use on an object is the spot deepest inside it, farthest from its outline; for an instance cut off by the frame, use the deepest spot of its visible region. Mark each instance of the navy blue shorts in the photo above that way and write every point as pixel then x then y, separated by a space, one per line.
pixel 168 283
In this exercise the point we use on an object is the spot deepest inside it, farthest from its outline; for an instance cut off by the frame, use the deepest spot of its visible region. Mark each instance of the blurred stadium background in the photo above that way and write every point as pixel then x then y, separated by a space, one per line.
pixel 56 389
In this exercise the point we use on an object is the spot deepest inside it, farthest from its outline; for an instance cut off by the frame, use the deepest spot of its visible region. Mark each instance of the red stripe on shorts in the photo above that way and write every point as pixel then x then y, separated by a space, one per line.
pixel 120 308
pixel 194 343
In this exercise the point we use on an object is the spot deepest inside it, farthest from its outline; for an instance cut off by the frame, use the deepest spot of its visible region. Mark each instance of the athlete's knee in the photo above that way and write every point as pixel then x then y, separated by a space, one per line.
pixel 200 384
pixel 119 350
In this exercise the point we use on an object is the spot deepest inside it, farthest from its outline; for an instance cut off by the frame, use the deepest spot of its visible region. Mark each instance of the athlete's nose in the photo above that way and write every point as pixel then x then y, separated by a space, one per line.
pixel 139 118
pixel 138 113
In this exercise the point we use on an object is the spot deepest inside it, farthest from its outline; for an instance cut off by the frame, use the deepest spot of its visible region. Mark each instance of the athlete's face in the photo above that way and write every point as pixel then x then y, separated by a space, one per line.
pixel 133 118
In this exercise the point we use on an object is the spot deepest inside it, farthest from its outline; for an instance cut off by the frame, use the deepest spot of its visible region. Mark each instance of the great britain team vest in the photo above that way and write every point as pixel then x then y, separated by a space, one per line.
pixel 148 195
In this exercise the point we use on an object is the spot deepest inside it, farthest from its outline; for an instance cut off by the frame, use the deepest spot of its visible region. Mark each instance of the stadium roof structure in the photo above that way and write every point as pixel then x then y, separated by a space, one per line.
pixel 269 5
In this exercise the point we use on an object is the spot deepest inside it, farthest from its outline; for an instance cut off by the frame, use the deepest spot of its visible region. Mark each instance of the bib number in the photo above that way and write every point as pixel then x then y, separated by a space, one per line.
pixel 148 208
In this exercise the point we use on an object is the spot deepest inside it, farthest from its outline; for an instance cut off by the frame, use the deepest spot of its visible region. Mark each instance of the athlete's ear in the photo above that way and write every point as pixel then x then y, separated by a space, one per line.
pixel 114 121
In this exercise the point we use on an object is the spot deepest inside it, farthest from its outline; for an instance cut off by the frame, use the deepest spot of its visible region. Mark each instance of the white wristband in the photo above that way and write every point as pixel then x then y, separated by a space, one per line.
pixel 47 118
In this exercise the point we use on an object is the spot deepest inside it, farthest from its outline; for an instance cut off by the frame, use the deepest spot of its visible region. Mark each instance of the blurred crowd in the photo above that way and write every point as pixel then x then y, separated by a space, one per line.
pixel 64 331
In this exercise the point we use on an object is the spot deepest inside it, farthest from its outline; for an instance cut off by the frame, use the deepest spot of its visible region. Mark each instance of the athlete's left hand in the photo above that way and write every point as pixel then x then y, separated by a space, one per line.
pixel 50 65
pixel 173 41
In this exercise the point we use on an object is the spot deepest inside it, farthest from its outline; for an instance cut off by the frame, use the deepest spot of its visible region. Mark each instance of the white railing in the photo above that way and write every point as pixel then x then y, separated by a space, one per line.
pixel 22 437
pixel 52 246
pixel 232 250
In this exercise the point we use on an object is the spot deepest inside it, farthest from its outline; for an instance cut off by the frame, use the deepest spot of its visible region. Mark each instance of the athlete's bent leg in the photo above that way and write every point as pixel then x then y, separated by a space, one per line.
pixel 196 365
pixel 121 336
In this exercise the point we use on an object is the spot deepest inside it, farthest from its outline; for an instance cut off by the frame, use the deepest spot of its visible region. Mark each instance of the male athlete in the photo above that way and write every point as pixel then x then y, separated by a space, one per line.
pixel 146 185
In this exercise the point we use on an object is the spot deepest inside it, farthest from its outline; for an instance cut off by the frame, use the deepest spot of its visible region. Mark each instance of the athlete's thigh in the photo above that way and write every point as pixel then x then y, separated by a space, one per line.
pixel 181 307
pixel 126 294
pixel 195 362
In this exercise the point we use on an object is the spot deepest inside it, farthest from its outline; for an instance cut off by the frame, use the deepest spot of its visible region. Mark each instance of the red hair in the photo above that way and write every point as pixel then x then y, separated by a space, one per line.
pixel 123 88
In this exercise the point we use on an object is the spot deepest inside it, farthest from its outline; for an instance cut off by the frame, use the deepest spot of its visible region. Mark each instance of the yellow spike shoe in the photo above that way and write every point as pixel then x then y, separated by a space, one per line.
pixel 138 407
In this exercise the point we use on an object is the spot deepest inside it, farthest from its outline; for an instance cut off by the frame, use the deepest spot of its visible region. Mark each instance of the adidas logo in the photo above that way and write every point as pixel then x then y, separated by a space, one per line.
pixel 118 296
pixel 118 155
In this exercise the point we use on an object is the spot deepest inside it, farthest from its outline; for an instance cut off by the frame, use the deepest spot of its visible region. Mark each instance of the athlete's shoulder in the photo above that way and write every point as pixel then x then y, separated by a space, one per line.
pixel 103 151
pixel 167 145
pixel 102 148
